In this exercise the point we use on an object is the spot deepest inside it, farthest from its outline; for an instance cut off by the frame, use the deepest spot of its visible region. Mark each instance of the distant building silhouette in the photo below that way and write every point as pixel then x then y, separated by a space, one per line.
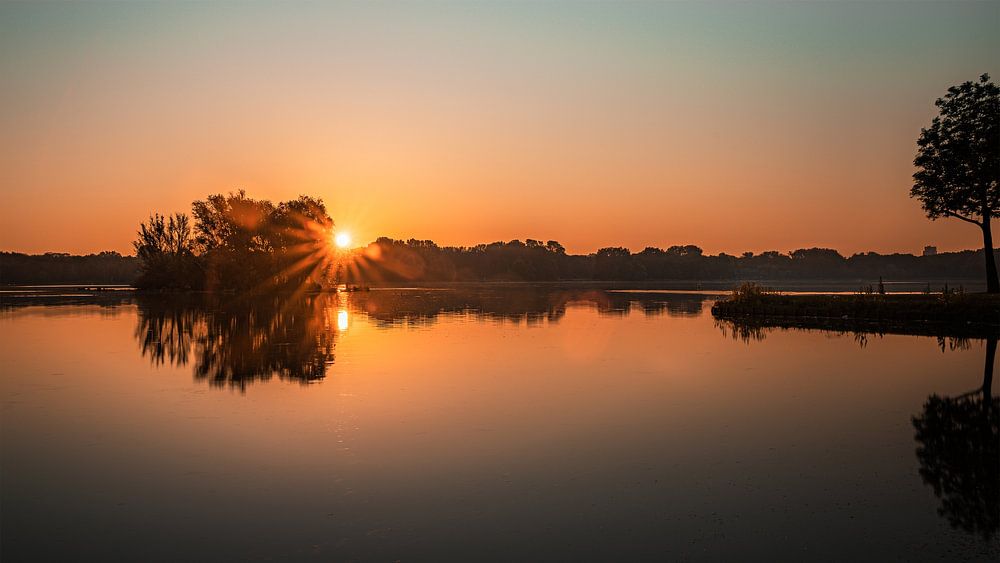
pixel 930 251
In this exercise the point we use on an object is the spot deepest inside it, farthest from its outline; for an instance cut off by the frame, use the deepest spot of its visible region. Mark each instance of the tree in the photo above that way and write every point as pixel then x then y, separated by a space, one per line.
pixel 300 232
pixel 233 234
pixel 554 247
pixel 685 250
pixel 165 249
pixel 958 162
pixel 238 243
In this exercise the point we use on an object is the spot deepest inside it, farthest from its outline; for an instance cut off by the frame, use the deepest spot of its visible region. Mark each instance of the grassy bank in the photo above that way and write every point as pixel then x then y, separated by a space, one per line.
pixel 968 314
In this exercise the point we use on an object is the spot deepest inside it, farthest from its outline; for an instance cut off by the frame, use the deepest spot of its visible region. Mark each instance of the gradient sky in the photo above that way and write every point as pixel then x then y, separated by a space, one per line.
pixel 732 126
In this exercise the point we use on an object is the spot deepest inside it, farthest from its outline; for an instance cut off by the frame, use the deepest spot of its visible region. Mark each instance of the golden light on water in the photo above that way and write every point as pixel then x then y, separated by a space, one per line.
pixel 342 319
pixel 342 239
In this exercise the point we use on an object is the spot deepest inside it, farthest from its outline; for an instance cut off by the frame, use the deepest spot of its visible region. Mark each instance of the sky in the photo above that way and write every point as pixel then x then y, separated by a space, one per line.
pixel 736 127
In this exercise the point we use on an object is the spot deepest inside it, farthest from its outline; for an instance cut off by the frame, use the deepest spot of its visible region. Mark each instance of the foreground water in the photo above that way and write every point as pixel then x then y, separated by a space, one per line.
pixel 484 425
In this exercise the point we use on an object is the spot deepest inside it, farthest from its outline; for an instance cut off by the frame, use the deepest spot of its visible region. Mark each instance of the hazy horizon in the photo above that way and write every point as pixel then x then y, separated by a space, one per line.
pixel 738 127
pixel 357 245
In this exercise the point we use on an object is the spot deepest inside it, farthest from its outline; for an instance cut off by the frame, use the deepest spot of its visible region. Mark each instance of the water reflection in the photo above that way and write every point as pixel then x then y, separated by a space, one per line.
pixel 529 305
pixel 234 341
pixel 959 453
pixel 958 437
pixel 566 435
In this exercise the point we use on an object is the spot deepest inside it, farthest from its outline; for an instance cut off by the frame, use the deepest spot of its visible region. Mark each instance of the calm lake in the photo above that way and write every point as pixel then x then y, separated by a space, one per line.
pixel 482 424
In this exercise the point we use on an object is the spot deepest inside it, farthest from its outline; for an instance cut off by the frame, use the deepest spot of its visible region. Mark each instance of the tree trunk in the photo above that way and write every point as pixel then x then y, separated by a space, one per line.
pixel 992 283
pixel 991 355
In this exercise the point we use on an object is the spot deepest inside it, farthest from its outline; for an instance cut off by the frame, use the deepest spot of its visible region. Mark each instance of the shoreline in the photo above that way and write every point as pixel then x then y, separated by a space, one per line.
pixel 975 315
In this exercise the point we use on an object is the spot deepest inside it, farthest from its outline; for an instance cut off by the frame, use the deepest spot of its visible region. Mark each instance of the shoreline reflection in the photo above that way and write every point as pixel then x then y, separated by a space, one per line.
pixel 235 341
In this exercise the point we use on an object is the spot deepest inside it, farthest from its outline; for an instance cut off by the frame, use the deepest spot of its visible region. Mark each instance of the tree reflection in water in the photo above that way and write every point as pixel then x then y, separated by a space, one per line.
pixel 959 453
pixel 234 341
pixel 958 437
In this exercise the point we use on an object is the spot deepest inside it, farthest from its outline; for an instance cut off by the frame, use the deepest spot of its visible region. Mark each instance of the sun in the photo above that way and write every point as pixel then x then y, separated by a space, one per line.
pixel 342 239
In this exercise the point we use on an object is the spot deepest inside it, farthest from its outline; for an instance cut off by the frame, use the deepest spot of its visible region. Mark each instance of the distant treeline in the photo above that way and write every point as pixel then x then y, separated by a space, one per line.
pixel 388 260
pixel 58 268
pixel 394 261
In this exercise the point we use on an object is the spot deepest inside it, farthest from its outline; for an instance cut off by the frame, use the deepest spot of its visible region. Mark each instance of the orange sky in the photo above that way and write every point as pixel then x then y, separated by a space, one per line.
pixel 734 127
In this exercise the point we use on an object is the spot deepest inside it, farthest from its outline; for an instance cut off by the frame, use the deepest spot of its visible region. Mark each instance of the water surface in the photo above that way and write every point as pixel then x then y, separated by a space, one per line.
pixel 485 424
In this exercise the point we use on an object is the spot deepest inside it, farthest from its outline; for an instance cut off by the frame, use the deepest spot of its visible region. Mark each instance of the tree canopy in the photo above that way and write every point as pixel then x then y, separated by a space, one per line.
pixel 237 243
pixel 958 161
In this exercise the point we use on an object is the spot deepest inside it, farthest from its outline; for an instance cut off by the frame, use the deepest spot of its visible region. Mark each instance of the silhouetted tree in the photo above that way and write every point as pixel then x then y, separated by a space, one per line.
pixel 238 243
pixel 233 240
pixel 300 239
pixel 685 250
pixel 554 247
pixel 821 262
pixel 958 162
pixel 165 248
pixel 616 263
